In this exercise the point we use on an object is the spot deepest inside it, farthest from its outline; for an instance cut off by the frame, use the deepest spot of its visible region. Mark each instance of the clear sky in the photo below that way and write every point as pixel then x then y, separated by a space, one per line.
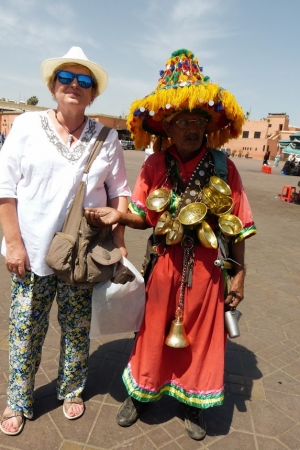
pixel 250 47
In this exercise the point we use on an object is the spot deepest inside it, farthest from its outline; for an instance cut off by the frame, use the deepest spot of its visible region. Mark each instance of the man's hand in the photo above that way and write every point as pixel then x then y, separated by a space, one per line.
pixel 101 217
pixel 236 290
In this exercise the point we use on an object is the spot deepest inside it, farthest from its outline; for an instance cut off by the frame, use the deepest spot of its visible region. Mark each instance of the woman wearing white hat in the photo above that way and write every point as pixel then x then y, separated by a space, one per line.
pixel 41 166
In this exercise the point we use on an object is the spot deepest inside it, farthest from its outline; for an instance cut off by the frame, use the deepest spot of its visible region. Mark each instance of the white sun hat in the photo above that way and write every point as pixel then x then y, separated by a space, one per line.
pixel 75 55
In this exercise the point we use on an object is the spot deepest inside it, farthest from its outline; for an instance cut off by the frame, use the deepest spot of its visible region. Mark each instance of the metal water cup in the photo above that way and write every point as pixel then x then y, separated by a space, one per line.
pixel 231 322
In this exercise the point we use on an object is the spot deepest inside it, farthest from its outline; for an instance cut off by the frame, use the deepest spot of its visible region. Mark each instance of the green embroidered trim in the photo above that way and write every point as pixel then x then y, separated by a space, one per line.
pixel 174 201
pixel 136 210
pixel 200 401
pixel 246 232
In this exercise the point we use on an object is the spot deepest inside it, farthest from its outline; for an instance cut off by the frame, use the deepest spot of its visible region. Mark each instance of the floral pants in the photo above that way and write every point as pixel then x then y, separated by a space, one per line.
pixel 31 301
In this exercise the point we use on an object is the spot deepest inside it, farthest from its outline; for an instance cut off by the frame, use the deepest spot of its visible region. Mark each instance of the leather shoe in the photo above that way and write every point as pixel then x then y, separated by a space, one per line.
pixel 129 412
pixel 194 422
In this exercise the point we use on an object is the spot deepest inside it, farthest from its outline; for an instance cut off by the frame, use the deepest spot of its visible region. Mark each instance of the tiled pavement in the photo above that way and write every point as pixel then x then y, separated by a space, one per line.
pixel 262 406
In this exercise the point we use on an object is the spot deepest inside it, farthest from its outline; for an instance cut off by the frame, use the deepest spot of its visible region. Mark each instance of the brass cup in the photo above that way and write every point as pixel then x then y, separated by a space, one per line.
pixel 164 223
pixel 219 186
pixel 206 236
pixel 224 205
pixel 175 235
pixel 209 197
pixel 158 200
pixel 230 225
pixel 192 214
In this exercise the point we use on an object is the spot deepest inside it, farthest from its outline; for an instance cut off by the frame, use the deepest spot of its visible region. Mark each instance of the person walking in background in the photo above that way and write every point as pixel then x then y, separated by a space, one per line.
pixel 149 149
pixel 277 159
pixel 190 116
pixel 266 158
pixel 41 166
pixel 2 140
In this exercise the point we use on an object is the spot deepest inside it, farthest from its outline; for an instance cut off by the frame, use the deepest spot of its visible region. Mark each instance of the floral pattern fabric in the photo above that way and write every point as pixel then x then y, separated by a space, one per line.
pixel 31 301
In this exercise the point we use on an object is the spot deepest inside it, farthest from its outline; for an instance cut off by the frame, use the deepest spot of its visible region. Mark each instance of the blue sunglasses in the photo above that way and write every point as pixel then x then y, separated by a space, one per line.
pixel 66 77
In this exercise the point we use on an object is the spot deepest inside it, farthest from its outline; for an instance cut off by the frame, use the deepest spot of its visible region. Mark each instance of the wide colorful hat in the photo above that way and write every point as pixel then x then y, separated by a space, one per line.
pixel 183 87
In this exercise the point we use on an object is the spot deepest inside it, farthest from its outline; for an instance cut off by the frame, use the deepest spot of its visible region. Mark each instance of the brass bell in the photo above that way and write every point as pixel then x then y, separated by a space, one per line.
pixel 177 337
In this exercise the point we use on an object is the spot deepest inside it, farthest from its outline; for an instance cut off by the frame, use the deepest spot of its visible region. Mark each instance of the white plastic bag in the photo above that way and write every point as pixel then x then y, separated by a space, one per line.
pixel 118 308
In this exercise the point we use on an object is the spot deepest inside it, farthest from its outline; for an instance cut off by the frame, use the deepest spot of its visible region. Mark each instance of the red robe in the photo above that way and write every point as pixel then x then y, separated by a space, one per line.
pixel 194 374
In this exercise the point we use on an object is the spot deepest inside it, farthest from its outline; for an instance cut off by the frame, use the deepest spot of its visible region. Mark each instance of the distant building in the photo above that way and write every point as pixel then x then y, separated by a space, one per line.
pixel 258 136
pixel 9 110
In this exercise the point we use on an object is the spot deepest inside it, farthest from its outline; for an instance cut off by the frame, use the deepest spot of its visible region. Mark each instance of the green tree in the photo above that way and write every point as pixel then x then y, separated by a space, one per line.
pixel 32 100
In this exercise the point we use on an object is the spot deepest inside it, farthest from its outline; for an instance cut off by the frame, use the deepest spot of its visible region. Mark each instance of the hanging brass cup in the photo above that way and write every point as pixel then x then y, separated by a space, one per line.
pixel 175 235
pixel 224 205
pixel 158 200
pixel 230 225
pixel 206 236
pixel 192 214
pixel 164 223
pixel 209 198
pixel 219 186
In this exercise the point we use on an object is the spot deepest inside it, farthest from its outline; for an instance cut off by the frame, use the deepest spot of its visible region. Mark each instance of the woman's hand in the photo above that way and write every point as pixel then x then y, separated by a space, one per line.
pixel 16 259
pixel 101 217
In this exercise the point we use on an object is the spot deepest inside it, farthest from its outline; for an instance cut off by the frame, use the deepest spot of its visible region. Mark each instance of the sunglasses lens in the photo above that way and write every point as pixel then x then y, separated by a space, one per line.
pixel 65 77
pixel 85 81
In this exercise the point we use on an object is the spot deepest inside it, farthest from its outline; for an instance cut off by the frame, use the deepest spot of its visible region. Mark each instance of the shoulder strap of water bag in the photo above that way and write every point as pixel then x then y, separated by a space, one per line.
pixel 220 163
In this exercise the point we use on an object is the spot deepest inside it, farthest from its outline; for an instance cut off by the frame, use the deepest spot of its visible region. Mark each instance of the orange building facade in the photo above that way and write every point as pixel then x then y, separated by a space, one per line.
pixel 9 111
pixel 259 136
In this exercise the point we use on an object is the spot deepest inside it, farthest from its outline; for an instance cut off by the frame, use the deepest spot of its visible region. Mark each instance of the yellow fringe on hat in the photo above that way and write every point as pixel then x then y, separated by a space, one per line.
pixel 224 123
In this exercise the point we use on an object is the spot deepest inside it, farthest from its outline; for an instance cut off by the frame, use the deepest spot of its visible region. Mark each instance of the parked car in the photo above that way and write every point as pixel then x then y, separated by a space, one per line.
pixel 226 151
pixel 127 145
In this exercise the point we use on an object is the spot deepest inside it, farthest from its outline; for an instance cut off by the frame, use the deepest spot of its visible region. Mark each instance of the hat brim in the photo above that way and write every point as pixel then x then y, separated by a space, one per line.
pixel 157 128
pixel 50 65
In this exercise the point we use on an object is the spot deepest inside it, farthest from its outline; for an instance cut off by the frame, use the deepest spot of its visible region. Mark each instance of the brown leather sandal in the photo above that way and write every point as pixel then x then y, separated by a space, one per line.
pixel 20 419
pixel 67 404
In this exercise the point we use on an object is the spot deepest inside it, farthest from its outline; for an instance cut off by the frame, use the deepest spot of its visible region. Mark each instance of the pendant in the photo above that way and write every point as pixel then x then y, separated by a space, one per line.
pixel 70 138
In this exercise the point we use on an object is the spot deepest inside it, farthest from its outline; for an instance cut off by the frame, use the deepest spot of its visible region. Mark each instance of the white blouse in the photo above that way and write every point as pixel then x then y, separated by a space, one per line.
pixel 42 173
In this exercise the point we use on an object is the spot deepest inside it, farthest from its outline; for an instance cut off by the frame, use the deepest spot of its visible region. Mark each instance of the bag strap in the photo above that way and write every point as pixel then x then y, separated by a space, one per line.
pixel 220 163
pixel 96 148
pixel 74 215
